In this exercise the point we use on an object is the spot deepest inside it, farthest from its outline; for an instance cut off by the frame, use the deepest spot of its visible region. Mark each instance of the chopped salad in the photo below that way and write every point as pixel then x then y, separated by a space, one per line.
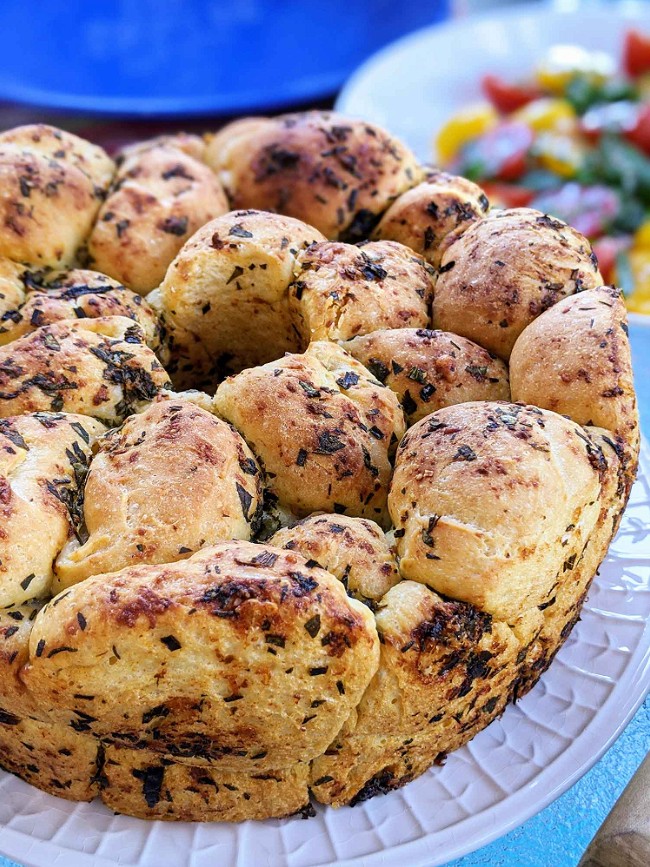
pixel 573 140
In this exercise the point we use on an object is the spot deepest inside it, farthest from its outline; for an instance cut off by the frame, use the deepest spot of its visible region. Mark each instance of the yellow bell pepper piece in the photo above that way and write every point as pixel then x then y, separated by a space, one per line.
pixel 643 86
pixel 641 239
pixel 560 154
pixel 639 300
pixel 467 124
pixel 549 114
pixel 564 62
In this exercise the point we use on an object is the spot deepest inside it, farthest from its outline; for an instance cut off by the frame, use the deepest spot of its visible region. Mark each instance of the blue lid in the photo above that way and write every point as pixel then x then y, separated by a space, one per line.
pixel 182 57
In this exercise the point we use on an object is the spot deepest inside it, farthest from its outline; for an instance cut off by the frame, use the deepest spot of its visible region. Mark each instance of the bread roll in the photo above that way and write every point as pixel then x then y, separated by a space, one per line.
pixel 222 146
pixel 322 427
pixel 508 268
pixel 64 147
pixel 191 145
pixel 51 186
pixel 160 198
pixel 428 370
pixel 587 370
pixel 543 635
pixel 352 549
pixel 224 299
pixel 12 295
pixel 55 758
pixel 43 463
pixel 424 217
pixel 334 173
pixel 98 367
pixel 538 471
pixel 171 480
pixel 341 290
pixel 16 622
pixel 138 783
pixel 76 294
pixel 444 673
pixel 242 655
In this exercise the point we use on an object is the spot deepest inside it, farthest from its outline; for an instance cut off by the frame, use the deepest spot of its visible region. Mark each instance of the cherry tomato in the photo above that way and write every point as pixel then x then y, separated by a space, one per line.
pixel 607 251
pixel 640 132
pixel 506 97
pixel 508 195
pixel 500 153
pixel 636 53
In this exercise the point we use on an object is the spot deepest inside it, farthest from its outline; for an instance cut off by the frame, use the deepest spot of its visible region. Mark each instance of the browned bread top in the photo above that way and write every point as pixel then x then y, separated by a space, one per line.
pixel 538 471
pixel 508 268
pixel 333 172
pixel 425 217
pixel 341 290
pixel 171 480
pixel 322 427
pixel 160 197
pixel 430 369
pixel 243 653
pixel 52 184
pixel 43 298
pixel 43 463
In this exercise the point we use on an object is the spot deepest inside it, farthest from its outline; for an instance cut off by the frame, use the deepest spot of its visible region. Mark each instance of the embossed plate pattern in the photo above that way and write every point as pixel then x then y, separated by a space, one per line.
pixel 510 771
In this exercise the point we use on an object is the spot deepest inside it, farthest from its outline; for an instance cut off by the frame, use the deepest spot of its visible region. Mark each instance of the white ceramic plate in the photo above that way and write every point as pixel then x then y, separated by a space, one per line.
pixel 509 772
pixel 413 85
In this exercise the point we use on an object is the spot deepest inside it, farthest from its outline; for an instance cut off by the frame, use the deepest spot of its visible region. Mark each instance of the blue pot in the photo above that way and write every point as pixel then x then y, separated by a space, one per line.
pixel 183 57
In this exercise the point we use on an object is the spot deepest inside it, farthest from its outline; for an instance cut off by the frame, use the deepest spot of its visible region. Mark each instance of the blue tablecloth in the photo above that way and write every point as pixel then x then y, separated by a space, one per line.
pixel 560 833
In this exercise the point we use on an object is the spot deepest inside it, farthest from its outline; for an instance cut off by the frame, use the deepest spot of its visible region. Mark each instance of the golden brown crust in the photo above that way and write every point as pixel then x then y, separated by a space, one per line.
pixel 78 294
pixel 139 783
pixel 509 267
pixel 242 655
pixel 587 367
pixel 431 369
pixel 12 294
pixel 423 217
pixel 354 550
pixel 160 198
pixel 191 145
pixel 543 635
pixel 97 367
pixel 65 147
pixel 54 758
pixel 334 173
pixel 171 480
pixel 445 671
pixel 43 462
pixel 15 628
pixel 224 298
pixel 51 186
pixel 322 428
pixel 341 290
pixel 538 471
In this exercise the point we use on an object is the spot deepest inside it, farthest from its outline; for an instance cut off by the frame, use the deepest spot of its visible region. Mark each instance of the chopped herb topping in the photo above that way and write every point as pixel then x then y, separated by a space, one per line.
pixel 239 232
pixel 313 625
pixel 348 379
pixel 465 453
pixel 328 443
